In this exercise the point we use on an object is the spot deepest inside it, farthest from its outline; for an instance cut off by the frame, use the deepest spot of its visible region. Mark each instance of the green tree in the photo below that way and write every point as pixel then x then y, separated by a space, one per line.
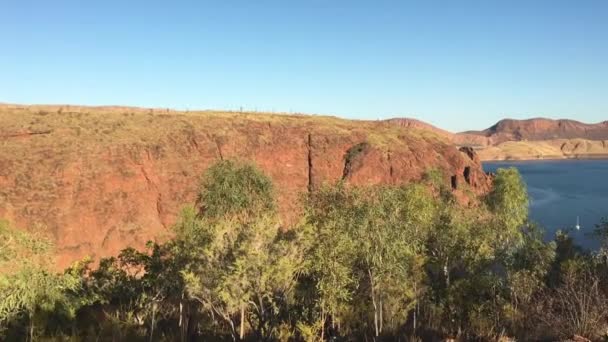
pixel 390 246
pixel 509 199
pixel 601 232
pixel 368 244
pixel 242 260
pixel 332 212
pixel 467 251
pixel 526 273
pixel 28 284
pixel 155 274
pixel 235 189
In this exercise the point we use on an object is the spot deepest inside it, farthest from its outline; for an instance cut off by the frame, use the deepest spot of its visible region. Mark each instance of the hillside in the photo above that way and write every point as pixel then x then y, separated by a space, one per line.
pixel 99 179
pixel 420 125
pixel 538 139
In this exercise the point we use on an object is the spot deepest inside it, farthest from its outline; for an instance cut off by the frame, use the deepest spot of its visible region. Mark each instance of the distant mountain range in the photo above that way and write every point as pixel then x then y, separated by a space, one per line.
pixel 541 129
pixel 537 138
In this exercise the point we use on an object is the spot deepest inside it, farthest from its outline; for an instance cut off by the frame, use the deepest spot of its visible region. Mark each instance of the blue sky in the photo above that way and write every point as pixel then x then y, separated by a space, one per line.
pixel 457 64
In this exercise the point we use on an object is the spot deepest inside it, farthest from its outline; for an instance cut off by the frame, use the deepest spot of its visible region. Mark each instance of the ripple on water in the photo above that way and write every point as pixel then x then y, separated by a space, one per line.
pixel 540 197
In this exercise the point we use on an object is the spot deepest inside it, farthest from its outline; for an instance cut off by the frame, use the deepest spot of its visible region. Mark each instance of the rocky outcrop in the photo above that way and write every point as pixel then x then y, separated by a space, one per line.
pixel 473 174
pixel 100 179
pixel 470 152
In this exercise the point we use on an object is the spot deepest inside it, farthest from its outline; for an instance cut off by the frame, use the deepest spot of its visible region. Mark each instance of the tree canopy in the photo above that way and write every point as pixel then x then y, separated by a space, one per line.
pixel 392 262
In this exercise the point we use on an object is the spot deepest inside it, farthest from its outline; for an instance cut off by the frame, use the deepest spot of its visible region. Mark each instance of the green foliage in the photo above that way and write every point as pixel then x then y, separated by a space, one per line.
pixel 28 285
pixel 391 250
pixel 436 180
pixel 363 263
pixel 352 158
pixel 232 188
pixel 579 304
pixel 240 259
pixel 367 252
pixel 242 267
pixel 332 213
pixel 601 232
pixel 509 198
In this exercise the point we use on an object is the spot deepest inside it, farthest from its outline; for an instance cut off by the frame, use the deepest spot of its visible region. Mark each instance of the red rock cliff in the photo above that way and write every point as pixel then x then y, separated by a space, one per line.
pixel 101 179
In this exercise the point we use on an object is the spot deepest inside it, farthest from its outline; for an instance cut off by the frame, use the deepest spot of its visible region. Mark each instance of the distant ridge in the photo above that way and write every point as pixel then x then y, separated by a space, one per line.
pixel 529 139
pixel 541 129
pixel 538 138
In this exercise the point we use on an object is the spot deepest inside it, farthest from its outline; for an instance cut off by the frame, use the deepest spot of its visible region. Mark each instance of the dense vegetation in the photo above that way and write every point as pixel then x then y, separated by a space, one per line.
pixel 363 263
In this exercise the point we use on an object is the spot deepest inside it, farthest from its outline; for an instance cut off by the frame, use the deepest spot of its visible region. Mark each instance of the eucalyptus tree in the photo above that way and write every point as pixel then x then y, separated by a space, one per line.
pixel 390 249
pixel 470 253
pixel 331 215
pixel 508 200
pixel 527 270
pixel 241 259
pixel 154 274
pixel 28 284
pixel 368 252
pixel 464 251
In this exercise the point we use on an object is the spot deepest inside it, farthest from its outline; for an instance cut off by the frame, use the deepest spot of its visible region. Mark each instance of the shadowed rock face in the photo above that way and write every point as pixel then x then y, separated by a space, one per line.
pixel 101 179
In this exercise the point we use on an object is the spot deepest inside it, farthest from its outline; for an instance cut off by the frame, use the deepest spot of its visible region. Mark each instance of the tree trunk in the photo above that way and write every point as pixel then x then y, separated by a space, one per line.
pixel 191 318
pixel 446 273
pixel 381 316
pixel 232 329
pixel 415 308
pixel 153 322
pixel 31 328
pixel 375 315
pixel 373 295
pixel 322 324
pixel 414 321
pixel 242 333
pixel 181 319
pixel 263 318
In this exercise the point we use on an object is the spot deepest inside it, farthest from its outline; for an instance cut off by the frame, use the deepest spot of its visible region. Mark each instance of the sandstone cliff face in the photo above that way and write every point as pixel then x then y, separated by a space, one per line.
pixel 101 179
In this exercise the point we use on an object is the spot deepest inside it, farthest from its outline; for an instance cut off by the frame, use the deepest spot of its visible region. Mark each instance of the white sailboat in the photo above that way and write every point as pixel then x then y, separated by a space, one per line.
pixel 578 224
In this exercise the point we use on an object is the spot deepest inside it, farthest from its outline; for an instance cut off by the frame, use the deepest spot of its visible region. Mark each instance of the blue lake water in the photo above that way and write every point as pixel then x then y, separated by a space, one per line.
pixel 561 190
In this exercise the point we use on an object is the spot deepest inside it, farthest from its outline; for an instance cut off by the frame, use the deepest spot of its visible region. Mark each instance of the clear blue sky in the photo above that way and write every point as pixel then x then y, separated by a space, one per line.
pixel 457 64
